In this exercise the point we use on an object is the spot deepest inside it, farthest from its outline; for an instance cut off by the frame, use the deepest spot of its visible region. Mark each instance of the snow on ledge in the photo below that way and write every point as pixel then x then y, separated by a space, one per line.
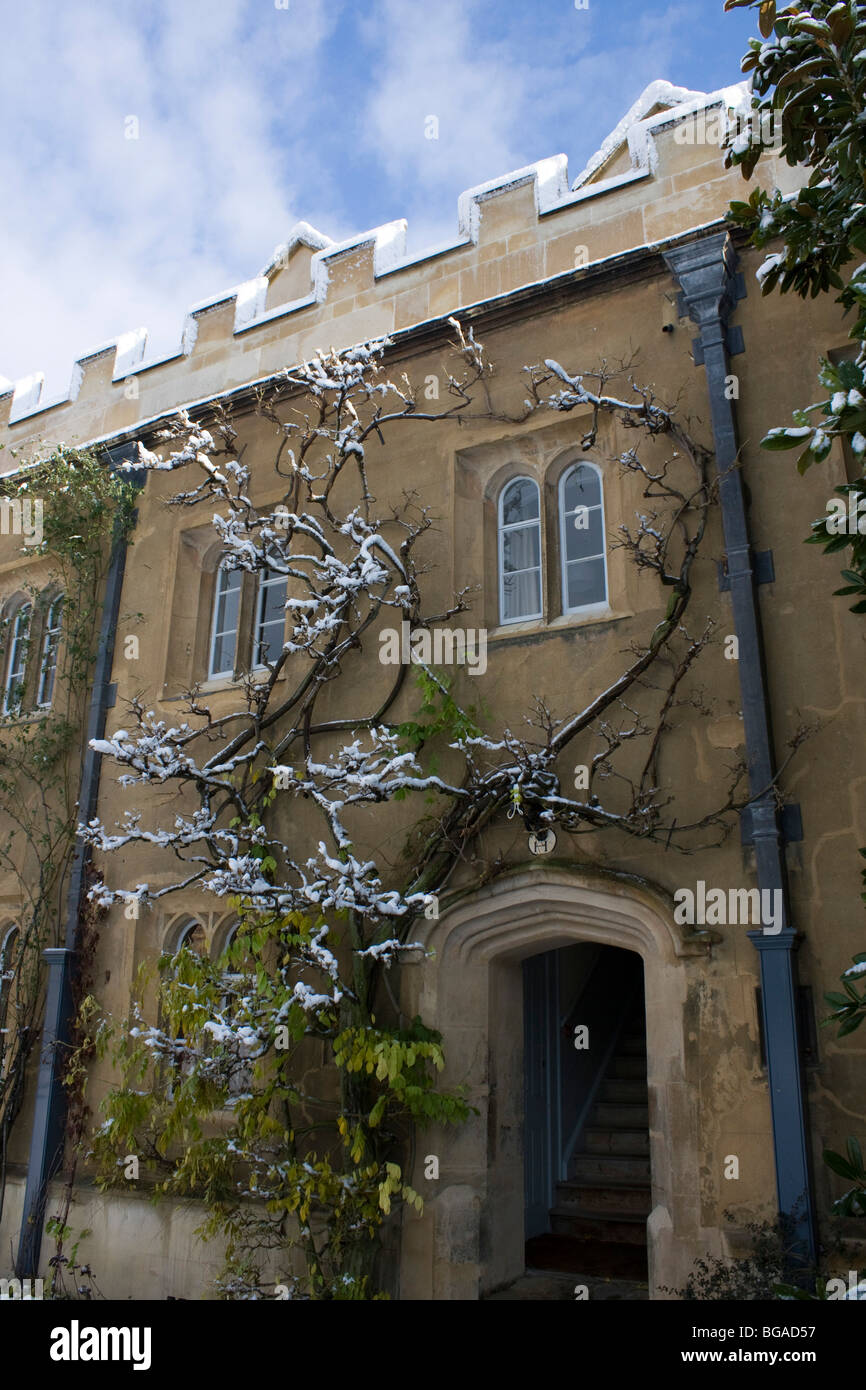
pixel 301 234
pixel 550 180
pixel 27 396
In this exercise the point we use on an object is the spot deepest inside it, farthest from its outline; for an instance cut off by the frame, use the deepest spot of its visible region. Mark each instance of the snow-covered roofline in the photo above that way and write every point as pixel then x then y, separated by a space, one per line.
pixel 552 193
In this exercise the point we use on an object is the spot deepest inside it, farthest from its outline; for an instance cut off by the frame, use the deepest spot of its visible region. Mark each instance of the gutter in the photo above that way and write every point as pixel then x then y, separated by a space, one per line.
pixel 706 272
pixel 47 1136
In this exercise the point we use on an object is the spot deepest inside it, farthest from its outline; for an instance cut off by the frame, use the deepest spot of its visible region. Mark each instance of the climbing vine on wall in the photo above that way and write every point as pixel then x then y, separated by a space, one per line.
pixel 82 506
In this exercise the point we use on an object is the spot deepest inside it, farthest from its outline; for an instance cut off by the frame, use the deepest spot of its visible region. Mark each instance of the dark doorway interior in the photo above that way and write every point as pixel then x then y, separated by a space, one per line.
pixel 586 1137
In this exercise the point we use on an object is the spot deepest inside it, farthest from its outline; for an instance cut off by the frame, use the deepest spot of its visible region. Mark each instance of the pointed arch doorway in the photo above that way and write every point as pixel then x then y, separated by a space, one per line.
pixel 470 1238
pixel 586 1123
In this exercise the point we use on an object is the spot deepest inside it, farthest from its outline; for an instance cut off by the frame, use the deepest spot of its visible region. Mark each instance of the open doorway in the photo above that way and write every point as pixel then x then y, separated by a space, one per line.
pixel 586 1130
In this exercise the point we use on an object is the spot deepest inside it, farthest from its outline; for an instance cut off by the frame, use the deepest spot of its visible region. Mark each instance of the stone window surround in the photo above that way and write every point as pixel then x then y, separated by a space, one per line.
pixel 544 454
pixel 40 607
pixel 208 551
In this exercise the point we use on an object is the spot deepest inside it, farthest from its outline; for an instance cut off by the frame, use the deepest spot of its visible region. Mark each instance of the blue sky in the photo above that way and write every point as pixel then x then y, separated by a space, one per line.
pixel 252 116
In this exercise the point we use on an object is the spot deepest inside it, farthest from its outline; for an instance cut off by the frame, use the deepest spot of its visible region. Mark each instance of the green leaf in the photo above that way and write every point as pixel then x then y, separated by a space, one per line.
pixel 838 1164
pixel 786 437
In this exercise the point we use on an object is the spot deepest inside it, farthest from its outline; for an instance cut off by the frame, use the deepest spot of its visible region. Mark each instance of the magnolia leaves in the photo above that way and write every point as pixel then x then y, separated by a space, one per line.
pixel 837 28
pixel 766 13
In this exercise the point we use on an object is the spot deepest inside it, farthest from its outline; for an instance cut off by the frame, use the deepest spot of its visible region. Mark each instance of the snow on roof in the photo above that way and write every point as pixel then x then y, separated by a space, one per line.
pixel 302 234
pixel 658 93
pixel 549 178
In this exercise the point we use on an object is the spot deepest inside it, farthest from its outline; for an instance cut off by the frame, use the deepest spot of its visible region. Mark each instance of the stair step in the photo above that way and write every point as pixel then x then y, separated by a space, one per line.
pixel 629 1089
pixel 633 1198
pixel 634 1142
pixel 632 1043
pixel 610 1167
pixel 619 1115
pixel 627 1066
pixel 616 1228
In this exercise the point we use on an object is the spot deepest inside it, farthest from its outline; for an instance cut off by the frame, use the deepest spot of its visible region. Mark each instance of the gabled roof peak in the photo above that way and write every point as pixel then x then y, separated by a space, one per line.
pixel 658 94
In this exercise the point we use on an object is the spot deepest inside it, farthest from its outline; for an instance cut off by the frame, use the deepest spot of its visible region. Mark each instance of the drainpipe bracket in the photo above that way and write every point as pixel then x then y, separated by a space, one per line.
pixel 790 824
pixel 734 343
pixel 763 569
pixel 789 939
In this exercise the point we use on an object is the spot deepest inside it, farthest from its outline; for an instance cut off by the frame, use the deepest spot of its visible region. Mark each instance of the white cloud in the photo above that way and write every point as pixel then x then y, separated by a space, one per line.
pixel 432 65
pixel 103 233
pixel 504 95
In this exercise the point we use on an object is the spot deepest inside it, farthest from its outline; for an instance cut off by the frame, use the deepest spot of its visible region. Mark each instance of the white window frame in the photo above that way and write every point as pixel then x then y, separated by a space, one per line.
pixel 501 528
pixel 223 569
pixel 50 649
pixel 16 674
pixel 263 585
pixel 6 986
pixel 602 604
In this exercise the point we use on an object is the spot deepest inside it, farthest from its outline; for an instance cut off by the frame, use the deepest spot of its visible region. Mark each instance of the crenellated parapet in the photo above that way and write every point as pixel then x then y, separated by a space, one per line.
pixel 656 176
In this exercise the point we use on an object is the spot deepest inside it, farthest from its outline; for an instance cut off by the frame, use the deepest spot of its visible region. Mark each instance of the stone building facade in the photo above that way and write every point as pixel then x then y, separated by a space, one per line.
pixel 630 261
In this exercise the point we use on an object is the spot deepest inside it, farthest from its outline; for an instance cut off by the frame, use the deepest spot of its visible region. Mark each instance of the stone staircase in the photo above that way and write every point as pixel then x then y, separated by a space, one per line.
pixel 607 1197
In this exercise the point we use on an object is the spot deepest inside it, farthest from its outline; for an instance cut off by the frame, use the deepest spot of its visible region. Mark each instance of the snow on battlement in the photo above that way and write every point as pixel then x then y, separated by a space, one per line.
pixel 315 292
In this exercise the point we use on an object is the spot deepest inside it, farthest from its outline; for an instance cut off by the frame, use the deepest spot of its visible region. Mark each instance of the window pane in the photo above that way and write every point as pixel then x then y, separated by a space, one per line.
pixel 272 617
pixel 194 939
pixel 17 660
pixel 582 488
pixel 8 956
pixel 50 643
pixel 519 502
pixel 580 542
pixel 585 583
pixel 227 601
pixel 223 654
pixel 521 595
pixel 521 548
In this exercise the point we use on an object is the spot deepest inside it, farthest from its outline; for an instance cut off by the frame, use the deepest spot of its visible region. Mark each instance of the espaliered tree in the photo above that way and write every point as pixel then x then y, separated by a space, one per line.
pixel 304 1169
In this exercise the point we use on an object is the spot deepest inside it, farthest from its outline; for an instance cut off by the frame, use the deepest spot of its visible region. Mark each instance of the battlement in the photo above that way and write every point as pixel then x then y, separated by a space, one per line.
pixel 525 226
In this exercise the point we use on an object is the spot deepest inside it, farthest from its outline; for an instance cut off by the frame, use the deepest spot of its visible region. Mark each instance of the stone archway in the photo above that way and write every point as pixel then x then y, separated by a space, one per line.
pixel 470 1238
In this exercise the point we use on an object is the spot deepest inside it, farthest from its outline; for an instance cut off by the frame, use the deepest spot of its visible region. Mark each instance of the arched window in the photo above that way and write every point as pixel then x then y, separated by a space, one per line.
pixel 584 562
pixel 224 625
pixel 519 551
pixel 192 936
pixel 9 941
pixel 16 664
pixel 270 617
pixel 48 661
pixel 194 939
